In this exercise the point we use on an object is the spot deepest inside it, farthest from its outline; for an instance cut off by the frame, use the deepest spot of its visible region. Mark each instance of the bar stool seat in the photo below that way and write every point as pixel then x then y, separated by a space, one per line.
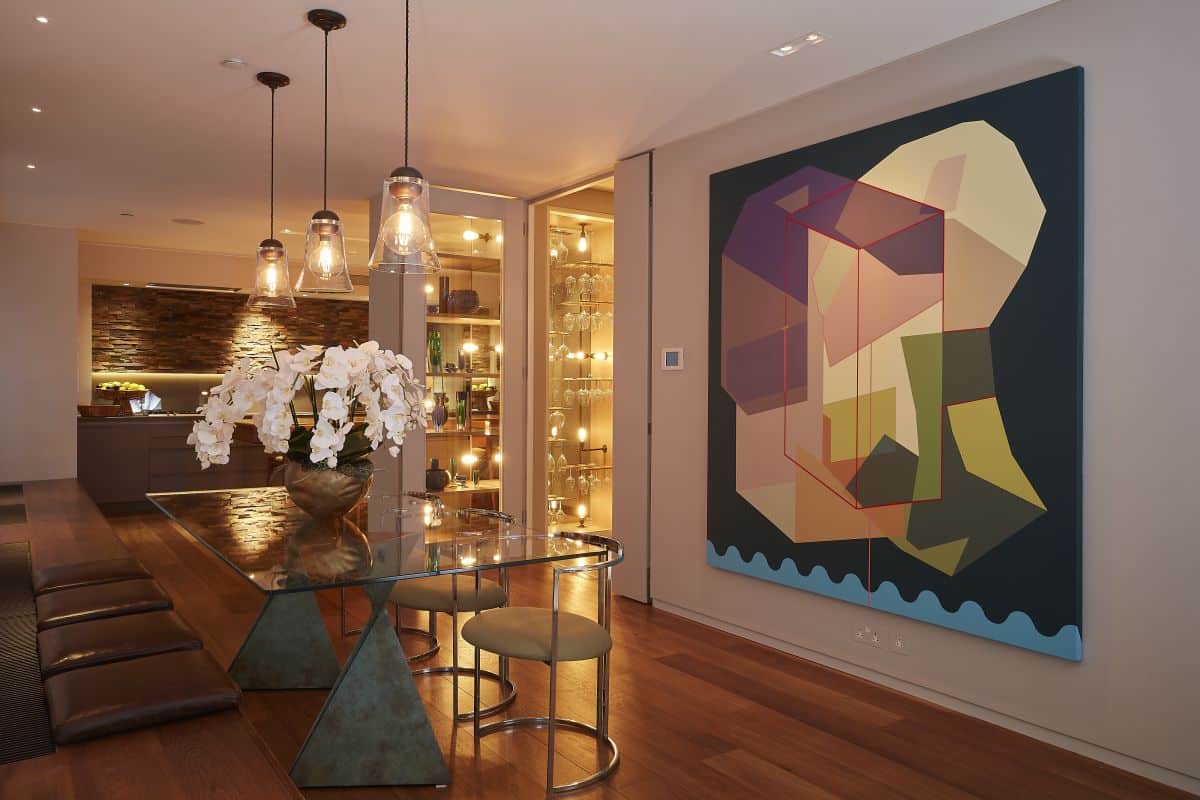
pixel 103 641
pixel 87 573
pixel 436 594
pixel 67 606
pixel 524 633
pixel 111 698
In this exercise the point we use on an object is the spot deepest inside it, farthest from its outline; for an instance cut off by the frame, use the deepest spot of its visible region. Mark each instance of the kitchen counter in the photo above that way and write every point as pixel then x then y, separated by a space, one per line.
pixel 120 459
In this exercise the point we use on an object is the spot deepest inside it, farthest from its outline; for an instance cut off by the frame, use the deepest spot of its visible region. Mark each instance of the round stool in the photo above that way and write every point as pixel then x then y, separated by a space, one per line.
pixel 446 594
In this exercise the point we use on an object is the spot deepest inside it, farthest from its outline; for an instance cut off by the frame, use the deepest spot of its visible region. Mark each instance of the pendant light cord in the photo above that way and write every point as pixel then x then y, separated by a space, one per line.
pixel 325 166
pixel 272 232
pixel 407 42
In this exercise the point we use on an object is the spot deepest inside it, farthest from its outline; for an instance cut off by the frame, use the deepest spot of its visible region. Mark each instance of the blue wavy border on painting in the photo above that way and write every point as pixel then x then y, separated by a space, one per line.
pixel 1017 629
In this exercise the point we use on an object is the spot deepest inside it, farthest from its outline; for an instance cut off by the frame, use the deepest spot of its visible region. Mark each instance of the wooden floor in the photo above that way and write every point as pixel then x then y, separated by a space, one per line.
pixel 697 713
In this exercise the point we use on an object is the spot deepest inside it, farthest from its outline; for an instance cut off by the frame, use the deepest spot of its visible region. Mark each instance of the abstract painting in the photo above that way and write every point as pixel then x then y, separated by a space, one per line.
pixel 894 366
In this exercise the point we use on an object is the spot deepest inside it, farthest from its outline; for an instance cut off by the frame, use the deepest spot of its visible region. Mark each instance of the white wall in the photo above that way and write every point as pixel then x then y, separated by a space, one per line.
pixel 1134 699
pixel 38 319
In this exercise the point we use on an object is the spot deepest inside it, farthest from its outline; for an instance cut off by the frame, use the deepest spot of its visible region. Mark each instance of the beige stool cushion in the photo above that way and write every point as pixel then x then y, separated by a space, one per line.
pixel 525 633
pixel 436 594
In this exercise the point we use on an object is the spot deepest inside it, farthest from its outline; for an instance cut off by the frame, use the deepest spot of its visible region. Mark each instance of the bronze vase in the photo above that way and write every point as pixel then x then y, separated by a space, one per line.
pixel 325 494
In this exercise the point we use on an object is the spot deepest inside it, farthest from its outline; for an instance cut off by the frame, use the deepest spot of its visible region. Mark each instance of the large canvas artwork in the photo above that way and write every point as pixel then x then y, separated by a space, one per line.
pixel 894 390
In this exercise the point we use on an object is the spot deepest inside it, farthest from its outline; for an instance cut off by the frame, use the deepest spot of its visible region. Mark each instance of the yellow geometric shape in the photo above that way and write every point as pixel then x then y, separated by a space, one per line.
pixel 876 418
pixel 996 198
pixel 942 557
pixel 979 431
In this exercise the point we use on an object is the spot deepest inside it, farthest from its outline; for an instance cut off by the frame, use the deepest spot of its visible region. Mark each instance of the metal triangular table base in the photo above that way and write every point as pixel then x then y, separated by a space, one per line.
pixel 372 730
pixel 288 647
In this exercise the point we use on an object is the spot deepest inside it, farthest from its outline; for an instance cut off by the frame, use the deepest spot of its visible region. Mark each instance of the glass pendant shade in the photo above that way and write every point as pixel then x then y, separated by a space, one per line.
pixel 325 267
pixel 272 285
pixel 405 242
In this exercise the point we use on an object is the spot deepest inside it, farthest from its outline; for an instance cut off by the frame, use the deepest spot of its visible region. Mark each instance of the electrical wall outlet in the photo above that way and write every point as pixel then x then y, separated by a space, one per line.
pixel 899 643
pixel 878 639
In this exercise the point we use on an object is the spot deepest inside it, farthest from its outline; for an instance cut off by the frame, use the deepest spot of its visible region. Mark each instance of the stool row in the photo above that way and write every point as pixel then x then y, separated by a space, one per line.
pixel 115 656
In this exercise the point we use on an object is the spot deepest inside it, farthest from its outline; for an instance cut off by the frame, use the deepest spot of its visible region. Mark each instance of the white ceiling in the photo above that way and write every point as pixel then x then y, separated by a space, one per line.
pixel 517 97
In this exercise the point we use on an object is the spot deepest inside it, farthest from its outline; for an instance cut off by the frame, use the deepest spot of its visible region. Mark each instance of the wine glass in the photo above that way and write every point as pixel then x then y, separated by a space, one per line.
pixel 585 321
pixel 569 284
pixel 569 398
pixel 570 482
pixel 568 322
pixel 558 419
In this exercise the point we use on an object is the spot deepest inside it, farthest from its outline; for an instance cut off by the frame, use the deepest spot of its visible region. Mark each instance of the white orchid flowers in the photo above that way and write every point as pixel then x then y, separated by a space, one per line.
pixel 376 381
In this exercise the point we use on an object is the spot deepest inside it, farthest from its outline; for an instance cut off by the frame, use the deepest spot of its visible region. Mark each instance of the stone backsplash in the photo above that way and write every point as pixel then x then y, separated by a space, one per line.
pixel 160 330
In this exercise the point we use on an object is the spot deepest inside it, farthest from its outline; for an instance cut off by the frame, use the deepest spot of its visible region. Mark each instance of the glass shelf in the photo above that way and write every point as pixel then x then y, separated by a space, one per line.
pixel 579 303
pixel 573 380
pixel 482 375
pixel 447 319
pixel 583 264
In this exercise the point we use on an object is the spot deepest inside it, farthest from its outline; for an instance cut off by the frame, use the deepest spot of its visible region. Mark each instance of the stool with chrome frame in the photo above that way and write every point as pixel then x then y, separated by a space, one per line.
pixel 440 594
pixel 434 509
pixel 551 636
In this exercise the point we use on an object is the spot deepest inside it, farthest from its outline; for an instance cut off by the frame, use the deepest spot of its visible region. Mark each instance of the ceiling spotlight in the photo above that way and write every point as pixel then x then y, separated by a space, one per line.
pixel 788 48
pixel 42 20
pixel 233 62
pixel 31 166
pixel 126 213
pixel 35 110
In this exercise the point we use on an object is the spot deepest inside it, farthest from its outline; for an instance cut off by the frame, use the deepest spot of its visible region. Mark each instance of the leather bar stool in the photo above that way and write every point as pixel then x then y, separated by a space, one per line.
pixel 67 606
pixel 86 573
pixel 126 695
pixel 103 641
pixel 550 636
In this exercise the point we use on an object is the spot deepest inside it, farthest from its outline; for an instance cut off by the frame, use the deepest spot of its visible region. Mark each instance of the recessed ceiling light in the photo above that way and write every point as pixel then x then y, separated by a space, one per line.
pixel 233 62
pixel 125 284
pixel 43 20
pixel 126 213
pixel 788 48
pixel 31 166
pixel 35 110
pixel 186 221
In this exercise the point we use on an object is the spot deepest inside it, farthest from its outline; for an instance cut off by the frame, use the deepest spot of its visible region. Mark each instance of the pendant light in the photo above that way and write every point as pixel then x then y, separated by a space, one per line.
pixel 325 267
pixel 582 244
pixel 405 244
pixel 272 285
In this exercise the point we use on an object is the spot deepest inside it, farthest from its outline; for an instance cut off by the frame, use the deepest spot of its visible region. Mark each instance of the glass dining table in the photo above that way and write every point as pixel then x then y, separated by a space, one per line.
pixel 372 729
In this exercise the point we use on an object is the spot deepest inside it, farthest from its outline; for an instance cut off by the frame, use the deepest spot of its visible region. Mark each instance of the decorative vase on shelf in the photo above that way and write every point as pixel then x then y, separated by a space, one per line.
pixel 440 412
pixel 435 351
pixel 461 410
pixel 436 478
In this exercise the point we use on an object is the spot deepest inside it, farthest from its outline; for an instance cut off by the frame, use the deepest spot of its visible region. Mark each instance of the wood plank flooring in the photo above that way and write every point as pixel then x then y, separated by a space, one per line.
pixel 698 714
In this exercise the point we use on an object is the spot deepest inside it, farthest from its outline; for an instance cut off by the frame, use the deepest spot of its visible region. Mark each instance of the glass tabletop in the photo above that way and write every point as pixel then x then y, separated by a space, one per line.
pixel 276 546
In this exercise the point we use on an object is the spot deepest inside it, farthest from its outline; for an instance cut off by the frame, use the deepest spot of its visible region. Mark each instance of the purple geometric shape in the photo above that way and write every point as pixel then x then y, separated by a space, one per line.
pixel 861 215
pixel 755 242
pixel 754 372
pixel 916 251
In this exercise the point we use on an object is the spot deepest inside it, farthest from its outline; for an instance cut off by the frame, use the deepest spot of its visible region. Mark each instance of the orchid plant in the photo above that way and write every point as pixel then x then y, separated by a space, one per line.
pixel 338 382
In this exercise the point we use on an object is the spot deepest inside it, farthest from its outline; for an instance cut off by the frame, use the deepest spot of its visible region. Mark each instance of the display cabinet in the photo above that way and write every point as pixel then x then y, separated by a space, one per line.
pixel 464 362
pixel 574 282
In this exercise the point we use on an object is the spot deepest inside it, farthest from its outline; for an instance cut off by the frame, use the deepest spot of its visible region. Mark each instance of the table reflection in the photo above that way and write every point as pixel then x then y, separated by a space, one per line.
pixel 279 547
